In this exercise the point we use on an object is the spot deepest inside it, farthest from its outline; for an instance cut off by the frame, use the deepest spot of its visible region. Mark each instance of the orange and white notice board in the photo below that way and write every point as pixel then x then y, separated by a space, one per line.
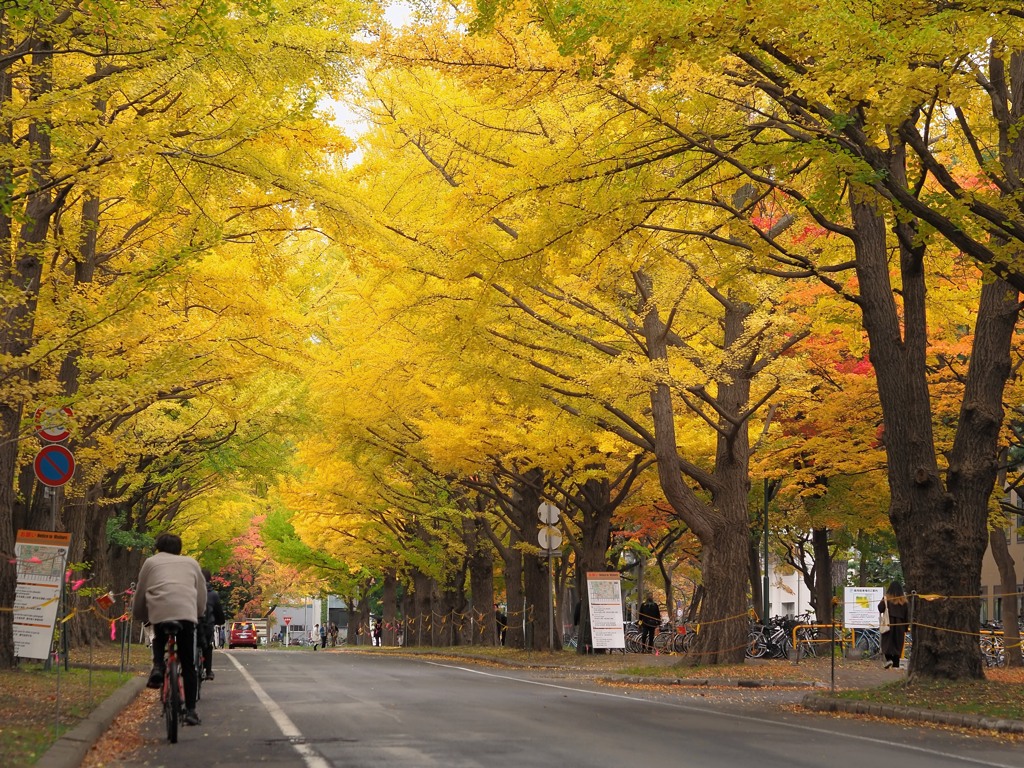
pixel 41 559
pixel 604 593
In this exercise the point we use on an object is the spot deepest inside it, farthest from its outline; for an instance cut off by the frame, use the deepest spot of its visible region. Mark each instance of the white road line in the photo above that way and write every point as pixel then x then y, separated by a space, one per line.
pixel 733 715
pixel 288 729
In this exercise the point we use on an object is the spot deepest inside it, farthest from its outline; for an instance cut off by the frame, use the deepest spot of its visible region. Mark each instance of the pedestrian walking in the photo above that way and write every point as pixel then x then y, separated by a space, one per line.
pixel 500 623
pixel 893 622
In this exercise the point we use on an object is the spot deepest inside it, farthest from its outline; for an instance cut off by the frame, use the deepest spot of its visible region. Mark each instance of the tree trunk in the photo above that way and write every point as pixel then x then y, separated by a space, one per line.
pixel 723 528
pixel 389 605
pixel 934 522
pixel 419 620
pixel 18 323
pixel 595 502
pixel 822 574
pixel 480 561
pixel 1008 577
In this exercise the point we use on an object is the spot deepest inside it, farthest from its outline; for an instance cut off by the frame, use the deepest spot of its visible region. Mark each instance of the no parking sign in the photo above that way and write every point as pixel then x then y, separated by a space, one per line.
pixel 54 465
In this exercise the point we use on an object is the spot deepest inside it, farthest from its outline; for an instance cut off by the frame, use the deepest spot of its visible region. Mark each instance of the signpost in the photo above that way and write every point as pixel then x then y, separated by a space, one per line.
pixel 54 465
pixel 52 424
pixel 550 539
pixel 287 638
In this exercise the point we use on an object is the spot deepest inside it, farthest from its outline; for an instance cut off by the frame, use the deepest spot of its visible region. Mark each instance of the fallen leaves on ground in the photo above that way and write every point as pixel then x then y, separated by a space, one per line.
pixel 127 734
pixel 38 705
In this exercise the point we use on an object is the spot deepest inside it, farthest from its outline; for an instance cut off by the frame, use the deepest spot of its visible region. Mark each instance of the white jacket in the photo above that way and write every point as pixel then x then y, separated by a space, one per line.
pixel 169 588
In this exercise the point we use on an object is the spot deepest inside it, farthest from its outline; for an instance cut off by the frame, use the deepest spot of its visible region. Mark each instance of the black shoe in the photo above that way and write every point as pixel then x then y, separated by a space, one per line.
pixel 156 678
pixel 191 718
pixel 209 675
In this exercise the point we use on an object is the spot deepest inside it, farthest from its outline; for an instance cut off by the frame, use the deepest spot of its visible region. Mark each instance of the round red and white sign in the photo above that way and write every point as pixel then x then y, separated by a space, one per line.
pixel 52 424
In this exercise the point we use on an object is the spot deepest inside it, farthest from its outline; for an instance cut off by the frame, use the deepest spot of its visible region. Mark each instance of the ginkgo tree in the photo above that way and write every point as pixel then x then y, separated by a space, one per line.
pixel 904 119
pixel 587 280
pixel 139 141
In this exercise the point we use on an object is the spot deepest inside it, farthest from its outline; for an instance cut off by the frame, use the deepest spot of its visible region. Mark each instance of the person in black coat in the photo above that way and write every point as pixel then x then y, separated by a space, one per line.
pixel 650 620
pixel 894 621
pixel 500 624
pixel 208 626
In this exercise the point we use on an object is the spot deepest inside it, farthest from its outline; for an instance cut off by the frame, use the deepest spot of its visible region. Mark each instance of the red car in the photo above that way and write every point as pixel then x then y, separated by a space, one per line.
pixel 243 633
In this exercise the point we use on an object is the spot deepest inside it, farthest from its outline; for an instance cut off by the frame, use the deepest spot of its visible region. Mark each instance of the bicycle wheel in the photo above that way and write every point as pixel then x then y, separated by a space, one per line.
pixel 868 643
pixel 681 642
pixel 992 651
pixel 663 641
pixel 172 699
pixel 757 644
pixel 633 641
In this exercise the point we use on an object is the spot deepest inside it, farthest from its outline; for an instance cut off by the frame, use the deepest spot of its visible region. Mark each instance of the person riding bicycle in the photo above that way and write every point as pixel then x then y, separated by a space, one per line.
pixel 171 587
pixel 214 615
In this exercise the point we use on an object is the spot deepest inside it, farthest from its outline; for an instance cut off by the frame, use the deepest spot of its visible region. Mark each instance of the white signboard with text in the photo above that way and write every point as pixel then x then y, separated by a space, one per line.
pixel 861 607
pixel 604 595
pixel 41 557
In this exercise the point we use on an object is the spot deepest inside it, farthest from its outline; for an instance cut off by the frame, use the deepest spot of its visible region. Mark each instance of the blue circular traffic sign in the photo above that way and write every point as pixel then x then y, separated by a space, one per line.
pixel 54 465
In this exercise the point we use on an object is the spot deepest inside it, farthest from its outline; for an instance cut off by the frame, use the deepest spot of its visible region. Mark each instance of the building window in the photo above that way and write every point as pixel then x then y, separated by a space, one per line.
pixel 1020 528
pixel 997 615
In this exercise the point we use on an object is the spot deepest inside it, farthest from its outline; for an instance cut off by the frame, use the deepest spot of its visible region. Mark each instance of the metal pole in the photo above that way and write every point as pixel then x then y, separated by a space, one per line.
pixel 764 546
pixel 551 603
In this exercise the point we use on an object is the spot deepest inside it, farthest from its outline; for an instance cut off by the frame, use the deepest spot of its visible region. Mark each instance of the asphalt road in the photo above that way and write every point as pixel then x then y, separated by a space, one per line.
pixel 314 710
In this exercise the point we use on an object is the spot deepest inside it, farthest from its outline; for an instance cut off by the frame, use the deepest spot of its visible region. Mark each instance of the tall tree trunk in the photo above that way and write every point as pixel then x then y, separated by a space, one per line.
pixel 419 619
pixel 389 607
pixel 822 574
pixel 526 497
pixel 480 561
pixel 1008 577
pixel 16 330
pixel 935 522
pixel 723 528
pixel 597 506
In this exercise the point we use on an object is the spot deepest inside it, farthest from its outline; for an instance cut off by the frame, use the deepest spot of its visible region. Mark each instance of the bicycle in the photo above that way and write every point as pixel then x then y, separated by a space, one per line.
pixel 200 657
pixel 172 692
pixel 869 642
pixel 771 639
pixel 571 639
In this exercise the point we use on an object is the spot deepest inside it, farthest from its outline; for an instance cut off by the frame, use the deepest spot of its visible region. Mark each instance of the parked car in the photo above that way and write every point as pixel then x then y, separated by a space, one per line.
pixel 243 633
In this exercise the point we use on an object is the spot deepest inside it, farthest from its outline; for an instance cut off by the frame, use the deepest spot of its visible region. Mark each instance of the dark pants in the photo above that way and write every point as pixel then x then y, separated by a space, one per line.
pixel 186 656
pixel 206 641
pixel 647 638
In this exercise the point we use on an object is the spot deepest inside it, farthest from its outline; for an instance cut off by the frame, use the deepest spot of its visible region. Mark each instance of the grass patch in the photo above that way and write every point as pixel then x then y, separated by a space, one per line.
pixel 33 716
pixel 1000 695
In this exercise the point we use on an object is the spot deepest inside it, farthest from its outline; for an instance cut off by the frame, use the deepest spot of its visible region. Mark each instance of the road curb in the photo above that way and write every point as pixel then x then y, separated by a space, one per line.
pixel 713 682
pixel 71 748
pixel 820 703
